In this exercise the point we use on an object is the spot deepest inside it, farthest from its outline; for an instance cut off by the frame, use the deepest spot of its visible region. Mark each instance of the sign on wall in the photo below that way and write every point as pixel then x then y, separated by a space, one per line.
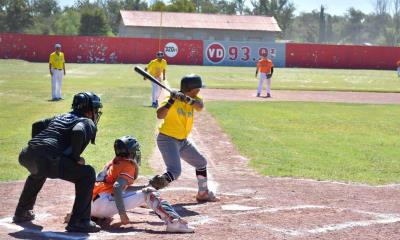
pixel 226 53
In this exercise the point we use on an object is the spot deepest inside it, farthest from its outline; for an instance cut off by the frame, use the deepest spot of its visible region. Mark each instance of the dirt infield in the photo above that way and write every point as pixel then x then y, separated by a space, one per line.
pixel 251 206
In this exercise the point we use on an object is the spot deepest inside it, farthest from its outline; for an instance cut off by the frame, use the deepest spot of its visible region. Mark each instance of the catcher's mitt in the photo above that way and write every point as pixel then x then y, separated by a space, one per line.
pixel 159 181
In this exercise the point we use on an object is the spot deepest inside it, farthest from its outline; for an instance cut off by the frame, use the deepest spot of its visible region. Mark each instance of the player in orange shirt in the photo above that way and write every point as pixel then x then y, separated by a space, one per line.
pixel 398 68
pixel 266 69
pixel 111 194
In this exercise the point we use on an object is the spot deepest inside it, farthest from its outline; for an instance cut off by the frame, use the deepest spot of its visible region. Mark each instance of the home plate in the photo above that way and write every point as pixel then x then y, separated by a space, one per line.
pixel 237 207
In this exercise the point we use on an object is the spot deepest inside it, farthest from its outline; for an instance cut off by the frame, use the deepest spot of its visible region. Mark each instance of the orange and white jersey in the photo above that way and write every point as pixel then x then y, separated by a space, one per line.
pixel 118 167
pixel 264 65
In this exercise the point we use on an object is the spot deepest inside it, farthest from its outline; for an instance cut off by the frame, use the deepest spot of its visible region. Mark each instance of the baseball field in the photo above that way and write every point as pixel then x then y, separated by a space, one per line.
pixel 286 168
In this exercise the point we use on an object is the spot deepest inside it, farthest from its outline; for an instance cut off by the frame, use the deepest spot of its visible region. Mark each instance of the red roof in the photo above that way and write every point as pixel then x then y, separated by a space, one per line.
pixel 199 20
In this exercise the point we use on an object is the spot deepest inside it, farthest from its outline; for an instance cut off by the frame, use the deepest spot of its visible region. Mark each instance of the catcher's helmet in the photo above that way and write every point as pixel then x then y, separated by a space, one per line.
pixel 190 82
pixel 126 145
pixel 160 54
pixel 87 101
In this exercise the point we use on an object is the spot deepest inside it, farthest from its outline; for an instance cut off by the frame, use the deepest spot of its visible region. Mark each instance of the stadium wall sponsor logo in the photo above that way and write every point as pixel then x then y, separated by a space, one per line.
pixel 215 52
pixel 171 49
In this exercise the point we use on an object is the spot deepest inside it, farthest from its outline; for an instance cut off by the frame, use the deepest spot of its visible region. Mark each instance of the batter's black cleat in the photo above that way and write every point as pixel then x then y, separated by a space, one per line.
pixel 83 227
pixel 268 95
pixel 25 216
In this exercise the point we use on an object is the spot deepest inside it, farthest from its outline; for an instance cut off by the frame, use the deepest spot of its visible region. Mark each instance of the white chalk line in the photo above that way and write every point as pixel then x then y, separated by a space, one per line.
pixel 381 218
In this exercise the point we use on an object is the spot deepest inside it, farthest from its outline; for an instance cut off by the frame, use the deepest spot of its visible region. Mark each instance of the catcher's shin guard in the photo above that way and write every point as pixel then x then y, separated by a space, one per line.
pixel 161 207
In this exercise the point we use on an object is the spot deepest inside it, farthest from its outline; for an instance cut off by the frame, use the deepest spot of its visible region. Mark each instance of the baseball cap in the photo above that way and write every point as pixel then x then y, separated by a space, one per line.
pixel 57 45
pixel 160 54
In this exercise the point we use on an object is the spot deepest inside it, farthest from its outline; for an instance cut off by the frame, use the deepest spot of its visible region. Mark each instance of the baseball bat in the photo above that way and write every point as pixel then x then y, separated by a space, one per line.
pixel 151 78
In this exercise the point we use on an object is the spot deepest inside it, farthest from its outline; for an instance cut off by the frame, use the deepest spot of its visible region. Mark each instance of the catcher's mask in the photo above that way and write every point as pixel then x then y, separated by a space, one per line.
pixel 190 82
pixel 88 102
pixel 160 54
pixel 128 146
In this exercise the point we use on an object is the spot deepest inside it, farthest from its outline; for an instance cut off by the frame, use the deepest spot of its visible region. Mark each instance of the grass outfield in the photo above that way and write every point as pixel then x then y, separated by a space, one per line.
pixel 325 141
pixel 24 98
pixel 293 78
pixel 25 90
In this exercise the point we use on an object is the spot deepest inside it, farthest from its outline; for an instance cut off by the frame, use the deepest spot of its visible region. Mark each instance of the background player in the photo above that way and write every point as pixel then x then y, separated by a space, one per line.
pixel 157 68
pixel 111 194
pixel 177 112
pixel 266 69
pixel 57 71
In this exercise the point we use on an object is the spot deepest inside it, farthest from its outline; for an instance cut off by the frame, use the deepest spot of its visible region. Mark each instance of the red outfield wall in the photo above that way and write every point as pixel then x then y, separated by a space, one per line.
pixel 341 56
pixel 37 48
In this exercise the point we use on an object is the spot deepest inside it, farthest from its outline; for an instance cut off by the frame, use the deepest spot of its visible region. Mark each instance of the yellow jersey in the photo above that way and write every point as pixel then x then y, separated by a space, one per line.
pixel 156 68
pixel 57 60
pixel 179 120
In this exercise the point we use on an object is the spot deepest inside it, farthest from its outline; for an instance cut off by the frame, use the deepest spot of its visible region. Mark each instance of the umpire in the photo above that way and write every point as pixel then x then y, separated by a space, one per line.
pixel 54 152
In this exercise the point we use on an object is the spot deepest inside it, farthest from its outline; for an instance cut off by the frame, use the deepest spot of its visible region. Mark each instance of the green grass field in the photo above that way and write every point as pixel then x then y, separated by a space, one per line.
pixel 293 78
pixel 350 142
pixel 325 141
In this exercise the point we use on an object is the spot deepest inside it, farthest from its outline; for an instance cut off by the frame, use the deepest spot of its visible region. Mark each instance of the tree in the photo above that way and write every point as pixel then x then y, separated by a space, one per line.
pixel 135 5
pixel 322 26
pixel 3 14
pixel 226 7
pixel 18 15
pixel 239 6
pixel 354 25
pixel 282 10
pixel 93 22
pixel 68 23
pixel 181 6
pixel 158 6
pixel 396 21
pixel 45 8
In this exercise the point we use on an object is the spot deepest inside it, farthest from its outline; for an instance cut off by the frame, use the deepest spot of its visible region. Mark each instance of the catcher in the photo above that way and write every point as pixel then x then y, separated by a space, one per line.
pixel 111 194
pixel 177 112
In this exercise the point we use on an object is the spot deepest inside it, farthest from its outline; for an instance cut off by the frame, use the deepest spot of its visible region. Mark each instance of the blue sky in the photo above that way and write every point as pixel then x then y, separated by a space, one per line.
pixel 335 7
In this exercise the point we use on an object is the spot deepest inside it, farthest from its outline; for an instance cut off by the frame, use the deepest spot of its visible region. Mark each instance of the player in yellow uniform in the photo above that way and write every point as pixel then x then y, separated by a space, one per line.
pixel 157 68
pixel 266 69
pixel 177 111
pixel 57 71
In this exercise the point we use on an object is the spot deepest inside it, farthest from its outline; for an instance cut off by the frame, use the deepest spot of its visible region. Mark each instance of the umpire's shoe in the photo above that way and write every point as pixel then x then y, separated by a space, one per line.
pixel 83 226
pixel 24 216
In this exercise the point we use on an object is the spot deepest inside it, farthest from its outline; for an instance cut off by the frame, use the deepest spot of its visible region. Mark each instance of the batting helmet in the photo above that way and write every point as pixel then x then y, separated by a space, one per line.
pixel 160 54
pixel 190 82
pixel 126 146
pixel 87 101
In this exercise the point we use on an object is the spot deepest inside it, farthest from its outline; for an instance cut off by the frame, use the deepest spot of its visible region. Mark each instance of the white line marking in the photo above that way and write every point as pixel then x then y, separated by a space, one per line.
pixel 202 220
pixel 381 218
pixel 237 207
